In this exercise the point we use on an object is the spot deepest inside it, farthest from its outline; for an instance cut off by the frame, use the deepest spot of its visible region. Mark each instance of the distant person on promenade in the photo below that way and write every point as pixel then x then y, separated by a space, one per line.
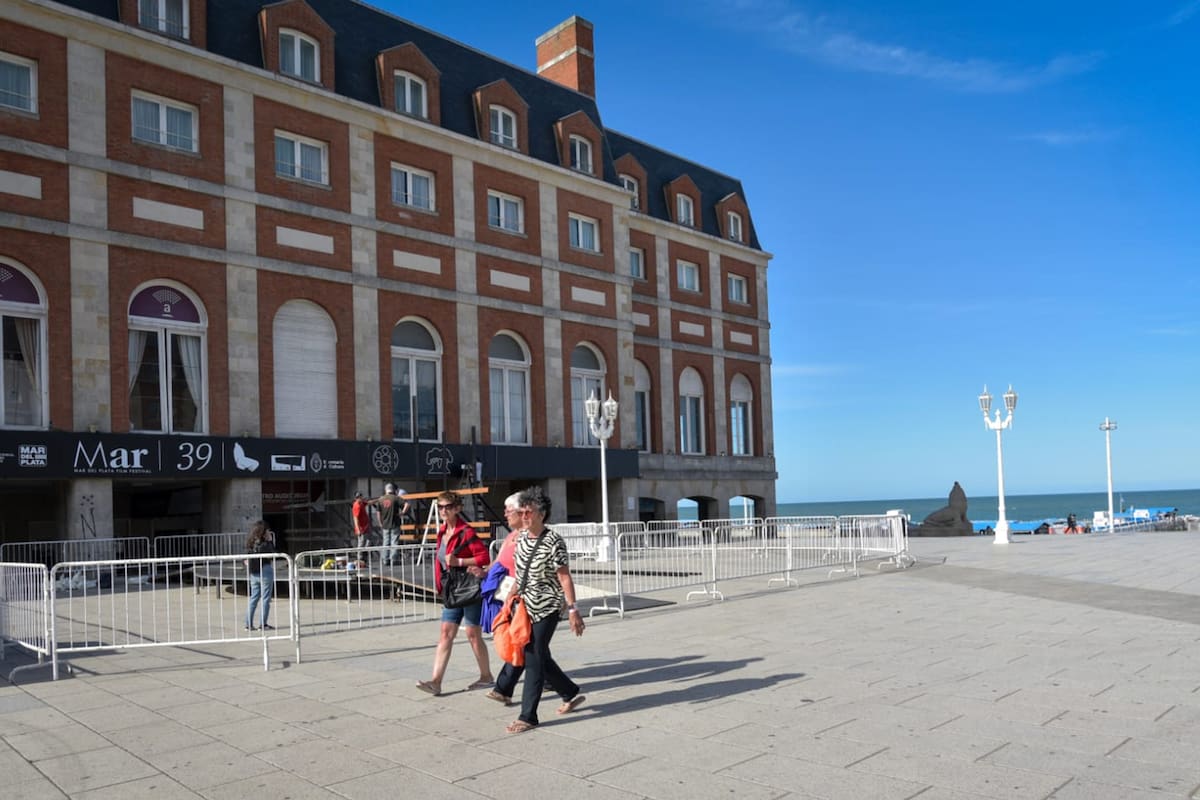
pixel 1071 526
pixel 261 572
pixel 360 517
pixel 392 508
pixel 458 547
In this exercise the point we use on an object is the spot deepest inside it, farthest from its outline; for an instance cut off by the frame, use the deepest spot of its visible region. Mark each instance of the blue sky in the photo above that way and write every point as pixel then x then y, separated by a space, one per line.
pixel 954 194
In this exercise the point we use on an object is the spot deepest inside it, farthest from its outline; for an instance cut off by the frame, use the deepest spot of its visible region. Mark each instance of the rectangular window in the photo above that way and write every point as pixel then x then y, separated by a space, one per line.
pixel 298 56
pixel 581 154
pixel 502 127
pixel 684 211
pixel 21 373
pixel 739 427
pixel 506 390
pixel 164 16
pixel 410 95
pixel 689 276
pixel 505 212
pixel 303 159
pixel 412 187
pixel 18 83
pixel 631 185
pixel 583 233
pixel 164 122
pixel 736 289
pixel 637 263
pixel 691 438
pixel 423 396
pixel 641 403
pixel 168 382
pixel 735 226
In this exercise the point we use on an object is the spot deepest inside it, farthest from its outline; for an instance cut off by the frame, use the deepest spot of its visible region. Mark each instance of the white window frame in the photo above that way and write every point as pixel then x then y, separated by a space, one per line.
pixel 510 216
pixel 741 420
pixel 160 21
pixel 164 331
pixel 37 313
pixel 581 154
pixel 687 275
pixel 299 39
pixel 405 174
pixel 642 419
pixel 164 104
pixel 580 229
pixel 733 225
pixel 691 414
pixel 31 65
pixel 736 289
pixel 415 357
pixel 631 185
pixel 298 142
pixel 402 85
pixel 497 117
pixel 508 372
pixel 637 263
pixel 585 381
pixel 685 210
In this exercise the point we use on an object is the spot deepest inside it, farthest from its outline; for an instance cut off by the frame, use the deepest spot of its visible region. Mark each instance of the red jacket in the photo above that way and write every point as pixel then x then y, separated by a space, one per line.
pixel 362 522
pixel 475 548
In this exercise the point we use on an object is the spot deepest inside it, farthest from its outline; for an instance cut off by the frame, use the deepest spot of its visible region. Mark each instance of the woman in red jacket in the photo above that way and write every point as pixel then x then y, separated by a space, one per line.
pixel 458 546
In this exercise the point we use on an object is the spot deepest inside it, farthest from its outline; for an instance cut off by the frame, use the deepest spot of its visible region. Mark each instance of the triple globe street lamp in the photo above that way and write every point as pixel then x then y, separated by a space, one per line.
pixel 985 405
pixel 601 426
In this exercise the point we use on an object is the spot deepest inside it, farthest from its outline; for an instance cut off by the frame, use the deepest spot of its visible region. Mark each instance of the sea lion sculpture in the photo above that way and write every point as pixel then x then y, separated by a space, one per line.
pixel 950 519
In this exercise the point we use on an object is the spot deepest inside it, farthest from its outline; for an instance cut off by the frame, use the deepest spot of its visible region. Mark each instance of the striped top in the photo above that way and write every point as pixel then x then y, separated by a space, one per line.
pixel 543 593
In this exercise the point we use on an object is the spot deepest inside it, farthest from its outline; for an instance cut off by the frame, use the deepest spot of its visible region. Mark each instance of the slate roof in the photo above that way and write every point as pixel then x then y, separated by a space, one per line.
pixel 361 32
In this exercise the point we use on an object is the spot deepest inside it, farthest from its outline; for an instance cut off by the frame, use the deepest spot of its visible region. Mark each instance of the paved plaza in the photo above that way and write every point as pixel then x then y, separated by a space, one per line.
pixel 1064 667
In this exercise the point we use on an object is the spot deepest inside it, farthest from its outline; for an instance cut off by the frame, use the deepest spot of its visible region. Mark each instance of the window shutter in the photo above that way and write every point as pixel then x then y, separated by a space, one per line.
pixel 305 372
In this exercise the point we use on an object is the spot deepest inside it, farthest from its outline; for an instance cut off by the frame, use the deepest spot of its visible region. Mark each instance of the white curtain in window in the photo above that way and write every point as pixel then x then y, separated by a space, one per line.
pixel 175 17
pixel 148 12
pixel 287 54
pixel 145 120
pixel 14 85
pixel 189 354
pixel 308 60
pixel 137 349
pixel 29 341
pixel 310 163
pixel 285 156
pixel 179 128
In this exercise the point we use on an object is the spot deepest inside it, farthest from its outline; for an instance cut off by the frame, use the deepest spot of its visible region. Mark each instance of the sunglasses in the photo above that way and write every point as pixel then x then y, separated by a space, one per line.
pixel 445 508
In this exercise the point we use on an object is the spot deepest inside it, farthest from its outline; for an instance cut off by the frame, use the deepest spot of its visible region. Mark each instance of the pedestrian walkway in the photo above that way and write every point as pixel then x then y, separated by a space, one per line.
pixel 1064 667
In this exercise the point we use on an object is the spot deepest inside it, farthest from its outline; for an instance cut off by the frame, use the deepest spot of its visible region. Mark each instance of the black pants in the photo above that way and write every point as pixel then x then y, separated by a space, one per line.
pixel 540 669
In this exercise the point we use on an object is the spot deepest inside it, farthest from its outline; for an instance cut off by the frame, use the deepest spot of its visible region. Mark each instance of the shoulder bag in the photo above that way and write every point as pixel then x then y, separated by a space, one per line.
pixel 459 587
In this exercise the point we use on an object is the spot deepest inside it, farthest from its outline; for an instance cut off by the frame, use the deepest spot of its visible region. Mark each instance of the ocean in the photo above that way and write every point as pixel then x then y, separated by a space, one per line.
pixel 1026 507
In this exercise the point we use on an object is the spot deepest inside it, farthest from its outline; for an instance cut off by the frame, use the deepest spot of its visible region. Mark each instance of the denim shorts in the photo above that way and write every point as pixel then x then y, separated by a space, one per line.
pixel 471 613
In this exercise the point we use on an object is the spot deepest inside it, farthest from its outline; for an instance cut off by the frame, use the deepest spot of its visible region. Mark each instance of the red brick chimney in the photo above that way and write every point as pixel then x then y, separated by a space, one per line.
pixel 565 55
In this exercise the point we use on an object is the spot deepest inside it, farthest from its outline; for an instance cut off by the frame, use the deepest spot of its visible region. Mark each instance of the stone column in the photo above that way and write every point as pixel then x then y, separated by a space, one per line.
pixel 88 509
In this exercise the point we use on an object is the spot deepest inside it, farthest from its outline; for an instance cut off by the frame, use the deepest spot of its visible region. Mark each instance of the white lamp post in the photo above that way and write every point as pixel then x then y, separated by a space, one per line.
pixel 1108 427
pixel 602 428
pixel 985 405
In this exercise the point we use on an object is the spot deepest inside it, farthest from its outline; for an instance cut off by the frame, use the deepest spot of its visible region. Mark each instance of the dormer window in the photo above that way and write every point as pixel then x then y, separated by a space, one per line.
pixel 502 128
pixel 733 226
pixel 411 94
pixel 631 185
pixel 165 16
pixel 299 56
pixel 581 154
pixel 685 212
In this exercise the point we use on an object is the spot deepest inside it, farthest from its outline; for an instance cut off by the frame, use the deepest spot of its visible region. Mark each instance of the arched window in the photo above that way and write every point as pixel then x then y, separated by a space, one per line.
pixel 168 361
pixel 502 126
pixel 23 394
pixel 691 413
pixel 305 344
pixel 299 55
pixel 508 389
pixel 416 382
pixel 641 406
pixel 411 94
pixel 587 377
pixel 741 424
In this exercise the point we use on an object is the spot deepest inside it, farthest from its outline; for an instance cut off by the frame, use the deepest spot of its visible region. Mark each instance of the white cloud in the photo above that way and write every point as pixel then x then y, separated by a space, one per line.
pixel 1067 138
pixel 1183 14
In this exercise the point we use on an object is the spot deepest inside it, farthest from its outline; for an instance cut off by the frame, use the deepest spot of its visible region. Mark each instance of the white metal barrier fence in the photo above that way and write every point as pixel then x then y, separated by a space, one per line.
pixel 149 602
pixel 56 551
pixel 24 615
pixel 199 544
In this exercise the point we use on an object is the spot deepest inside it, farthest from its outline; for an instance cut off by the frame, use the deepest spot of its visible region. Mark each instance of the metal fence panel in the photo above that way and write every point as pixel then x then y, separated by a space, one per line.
pixel 24 616
pixel 56 551
pixel 199 544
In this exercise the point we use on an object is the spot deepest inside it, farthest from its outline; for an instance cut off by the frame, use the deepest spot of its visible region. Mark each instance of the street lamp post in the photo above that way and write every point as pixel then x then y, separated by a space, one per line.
pixel 985 405
pixel 601 426
pixel 1108 427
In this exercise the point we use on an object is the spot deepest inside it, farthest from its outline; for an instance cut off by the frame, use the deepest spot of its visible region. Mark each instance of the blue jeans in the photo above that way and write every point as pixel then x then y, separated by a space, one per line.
pixel 262 586
pixel 391 541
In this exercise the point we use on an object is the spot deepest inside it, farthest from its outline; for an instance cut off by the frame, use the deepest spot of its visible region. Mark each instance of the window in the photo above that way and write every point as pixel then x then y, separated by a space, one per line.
pixel 300 158
pixel 23 396
pixel 502 127
pixel 165 16
pixel 18 83
pixel 741 394
pixel 164 122
pixel 734 226
pixel 304 341
pixel 168 372
pixel 684 210
pixel 412 187
pixel 416 382
pixel 299 56
pixel 508 390
pixel 691 413
pixel 641 406
pixel 689 276
pixel 637 263
pixel 581 154
pixel 736 289
pixel 506 212
pixel 631 185
pixel 583 233
pixel 587 376
pixel 410 94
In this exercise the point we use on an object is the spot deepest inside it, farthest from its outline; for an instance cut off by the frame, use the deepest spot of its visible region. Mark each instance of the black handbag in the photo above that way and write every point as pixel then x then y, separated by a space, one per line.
pixel 459 587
